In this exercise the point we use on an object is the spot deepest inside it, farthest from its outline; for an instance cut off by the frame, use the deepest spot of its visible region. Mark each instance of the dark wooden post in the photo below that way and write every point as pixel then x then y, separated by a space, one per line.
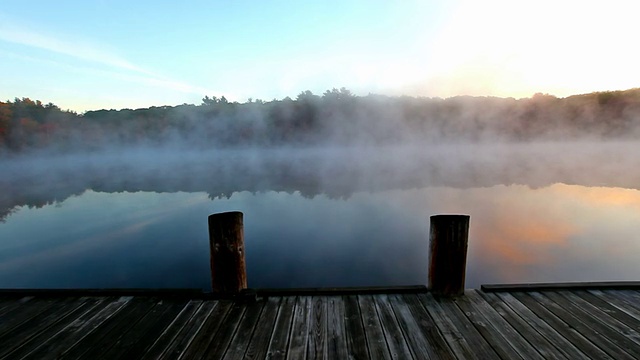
pixel 448 238
pixel 226 245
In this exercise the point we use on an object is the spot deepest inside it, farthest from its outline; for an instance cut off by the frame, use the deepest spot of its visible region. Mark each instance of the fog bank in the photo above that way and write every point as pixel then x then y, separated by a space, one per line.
pixel 337 118
pixel 337 172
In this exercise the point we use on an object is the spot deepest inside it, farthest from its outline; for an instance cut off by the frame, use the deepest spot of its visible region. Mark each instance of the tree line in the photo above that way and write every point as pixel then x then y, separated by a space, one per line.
pixel 335 117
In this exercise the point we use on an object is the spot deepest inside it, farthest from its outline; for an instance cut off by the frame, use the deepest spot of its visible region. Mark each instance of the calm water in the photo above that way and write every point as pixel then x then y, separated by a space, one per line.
pixel 310 222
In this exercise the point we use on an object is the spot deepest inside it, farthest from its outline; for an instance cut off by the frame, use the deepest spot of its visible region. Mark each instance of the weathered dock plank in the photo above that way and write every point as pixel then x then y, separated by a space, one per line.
pixel 317 347
pixel 559 342
pixel 551 324
pixel 420 344
pixel 376 341
pixel 495 330
pixel 524 328
pixel 22 314
pixel 609 309
pixel 558 324
pixel 463 339
pixel 259 344
pixel 299 331
pixel 427 327
pixel 240 340
pixel 356 338
pixel 586 322
pixel 586 325
pixel 217 347
pixel 398 347
pixel 630 297
pixel 84 325
pixel 634 294
pixel 36 334
pixel 617 323
pixel 10 304
pixel 279 341
pixel 172 335
pixel 107 333
pixel 208 331
pixel 619 302
pixel 139 337
pixel 336 340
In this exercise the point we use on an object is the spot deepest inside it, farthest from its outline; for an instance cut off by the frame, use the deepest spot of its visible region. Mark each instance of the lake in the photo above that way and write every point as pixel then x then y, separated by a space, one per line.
pixel 137 218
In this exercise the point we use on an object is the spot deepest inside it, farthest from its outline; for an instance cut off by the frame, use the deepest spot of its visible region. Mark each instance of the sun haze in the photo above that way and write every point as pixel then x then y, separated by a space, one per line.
pixel 120 54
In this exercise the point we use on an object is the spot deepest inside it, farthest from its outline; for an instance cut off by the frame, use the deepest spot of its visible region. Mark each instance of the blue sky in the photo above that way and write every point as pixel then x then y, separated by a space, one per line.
pixel 84 55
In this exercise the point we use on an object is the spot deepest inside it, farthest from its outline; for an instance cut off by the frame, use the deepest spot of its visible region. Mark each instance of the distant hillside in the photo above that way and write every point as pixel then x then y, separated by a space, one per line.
pixel 335 117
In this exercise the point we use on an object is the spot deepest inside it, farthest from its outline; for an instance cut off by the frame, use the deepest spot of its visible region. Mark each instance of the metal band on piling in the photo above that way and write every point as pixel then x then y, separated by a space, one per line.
pixel 448 238
pixel 226 245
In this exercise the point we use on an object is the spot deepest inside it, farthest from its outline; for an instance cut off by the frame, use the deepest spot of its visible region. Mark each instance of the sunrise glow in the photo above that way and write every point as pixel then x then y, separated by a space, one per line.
pixel 92 55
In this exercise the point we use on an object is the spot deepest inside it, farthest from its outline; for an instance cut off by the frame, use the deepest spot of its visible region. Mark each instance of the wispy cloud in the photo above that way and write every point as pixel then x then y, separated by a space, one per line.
pixel 99 59
pixel 77 48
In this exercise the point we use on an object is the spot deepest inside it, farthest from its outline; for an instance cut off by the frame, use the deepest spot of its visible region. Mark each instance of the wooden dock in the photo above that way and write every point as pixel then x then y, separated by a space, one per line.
pixel 510 323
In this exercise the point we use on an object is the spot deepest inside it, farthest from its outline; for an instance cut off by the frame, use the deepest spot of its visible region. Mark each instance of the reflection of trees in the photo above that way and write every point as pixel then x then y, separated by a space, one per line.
pixel 333 172
pixel 34 195
pixel 295 142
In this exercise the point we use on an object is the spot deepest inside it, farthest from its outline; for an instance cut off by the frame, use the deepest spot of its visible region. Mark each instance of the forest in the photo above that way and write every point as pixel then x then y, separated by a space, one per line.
pixel 337 117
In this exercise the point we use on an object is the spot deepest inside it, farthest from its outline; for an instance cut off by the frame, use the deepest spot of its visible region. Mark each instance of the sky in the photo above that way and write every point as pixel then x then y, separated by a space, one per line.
pixel 114 54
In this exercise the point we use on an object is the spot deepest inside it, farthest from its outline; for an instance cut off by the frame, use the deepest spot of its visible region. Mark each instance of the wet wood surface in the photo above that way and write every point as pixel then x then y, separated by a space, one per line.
pixel 534 324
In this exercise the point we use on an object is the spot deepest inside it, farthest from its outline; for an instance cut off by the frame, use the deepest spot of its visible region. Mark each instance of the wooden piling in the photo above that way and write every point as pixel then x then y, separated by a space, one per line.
pixel 448 238
pixel 226 245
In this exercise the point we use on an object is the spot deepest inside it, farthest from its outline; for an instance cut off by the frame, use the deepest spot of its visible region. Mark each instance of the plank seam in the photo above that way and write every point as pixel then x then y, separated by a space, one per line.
pixel 366 340
pixel 384 333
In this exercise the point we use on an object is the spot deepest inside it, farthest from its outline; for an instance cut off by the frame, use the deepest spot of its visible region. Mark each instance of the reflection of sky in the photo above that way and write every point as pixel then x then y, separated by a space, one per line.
pixel 518 234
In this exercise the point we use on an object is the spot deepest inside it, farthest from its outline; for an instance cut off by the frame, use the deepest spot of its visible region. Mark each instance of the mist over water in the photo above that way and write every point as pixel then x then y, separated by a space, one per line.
pixel 336 188
pixel 320 216
pixel 334 171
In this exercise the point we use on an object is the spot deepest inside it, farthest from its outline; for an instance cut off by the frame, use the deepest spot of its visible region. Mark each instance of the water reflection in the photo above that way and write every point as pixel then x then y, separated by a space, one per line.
pixel 333 172
pixel 144 239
